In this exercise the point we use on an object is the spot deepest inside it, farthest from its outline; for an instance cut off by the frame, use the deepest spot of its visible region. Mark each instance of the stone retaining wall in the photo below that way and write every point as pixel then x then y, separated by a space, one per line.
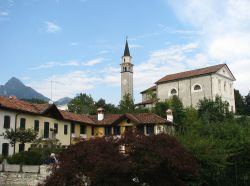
pixel 26 175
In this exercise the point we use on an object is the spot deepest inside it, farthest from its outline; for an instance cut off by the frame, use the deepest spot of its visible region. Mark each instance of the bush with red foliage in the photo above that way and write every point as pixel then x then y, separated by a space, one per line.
pixel 159 159
pixel 149 160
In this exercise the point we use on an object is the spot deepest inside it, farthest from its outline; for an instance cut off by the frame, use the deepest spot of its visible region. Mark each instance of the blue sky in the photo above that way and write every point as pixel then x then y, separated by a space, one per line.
pixel 78 44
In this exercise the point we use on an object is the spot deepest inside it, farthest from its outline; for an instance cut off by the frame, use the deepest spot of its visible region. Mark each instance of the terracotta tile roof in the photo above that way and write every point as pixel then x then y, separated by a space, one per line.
pixel 19 105
pixel 147 102
pixel 142 118
pixel 76 117
pixel 191 73
pixel 149 118
pixel 108 119
pixel 149 89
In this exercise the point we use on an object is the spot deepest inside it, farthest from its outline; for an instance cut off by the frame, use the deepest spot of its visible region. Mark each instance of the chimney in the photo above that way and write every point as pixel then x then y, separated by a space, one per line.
pixel 12 97
pixel 100 114
pixel 169 115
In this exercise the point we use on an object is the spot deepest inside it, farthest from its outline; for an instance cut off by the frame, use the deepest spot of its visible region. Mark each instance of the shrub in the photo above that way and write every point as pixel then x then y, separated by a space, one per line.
pixel 27 158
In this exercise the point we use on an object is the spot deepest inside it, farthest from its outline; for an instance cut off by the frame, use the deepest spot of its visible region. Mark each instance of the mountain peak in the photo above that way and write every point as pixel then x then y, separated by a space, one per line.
pixel 14 87
pixel 14 81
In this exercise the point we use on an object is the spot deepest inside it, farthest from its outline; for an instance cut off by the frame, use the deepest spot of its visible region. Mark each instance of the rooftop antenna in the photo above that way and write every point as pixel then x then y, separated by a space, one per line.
pixel 51 88
pixel 50 102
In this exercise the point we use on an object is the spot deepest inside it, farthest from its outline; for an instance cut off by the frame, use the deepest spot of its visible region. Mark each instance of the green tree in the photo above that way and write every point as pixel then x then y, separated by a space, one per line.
pixel 109 108
pixel 82 104
pixel 213 111
pixel 247 102
pixel 178 113
pixel 127 104
pixel 20 136
pixel 240 104
pixel 160 108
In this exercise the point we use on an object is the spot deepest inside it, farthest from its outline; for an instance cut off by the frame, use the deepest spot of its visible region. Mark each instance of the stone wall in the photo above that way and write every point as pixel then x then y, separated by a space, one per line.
pixel 16 175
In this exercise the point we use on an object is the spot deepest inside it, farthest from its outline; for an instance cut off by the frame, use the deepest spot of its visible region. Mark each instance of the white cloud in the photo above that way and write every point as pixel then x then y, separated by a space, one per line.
pixel 68 84
pixel 135 46
pixel 52 64
pixel 103 52
pixel 4 13
pixel 174 58
pixel 93 62
pixel 73 43
pixel 52 27
pixel 226 25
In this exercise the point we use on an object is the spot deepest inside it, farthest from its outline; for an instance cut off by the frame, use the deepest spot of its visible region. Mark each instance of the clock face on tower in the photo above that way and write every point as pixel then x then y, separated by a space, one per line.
pixel 124 82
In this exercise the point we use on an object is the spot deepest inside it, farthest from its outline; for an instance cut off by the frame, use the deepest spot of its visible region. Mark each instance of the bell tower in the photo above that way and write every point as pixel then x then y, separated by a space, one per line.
pixel 126 73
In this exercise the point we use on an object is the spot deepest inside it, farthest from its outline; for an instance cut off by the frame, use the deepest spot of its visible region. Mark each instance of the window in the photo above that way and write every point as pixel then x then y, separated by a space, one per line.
pixel 225 86
pixel 140 128
pixel 6 124
pixel 36 125
pixel 72 128
pixel 107 130
pixel 21 147
pixel 5 149
pixel 65 129
pixel 92 131
pixel 46 130
pixel 173 91
pixel 197 88
pixel 117 130
pixel 22 123
pixel 82 129
pixel 55 128
pixel 150 129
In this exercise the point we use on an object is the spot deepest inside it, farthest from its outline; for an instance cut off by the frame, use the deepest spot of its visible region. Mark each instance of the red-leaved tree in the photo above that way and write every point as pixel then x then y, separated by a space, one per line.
pixel 149 160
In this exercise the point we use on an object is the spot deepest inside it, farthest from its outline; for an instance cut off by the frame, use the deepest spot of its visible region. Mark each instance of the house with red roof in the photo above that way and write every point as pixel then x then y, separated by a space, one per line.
pixel 51 123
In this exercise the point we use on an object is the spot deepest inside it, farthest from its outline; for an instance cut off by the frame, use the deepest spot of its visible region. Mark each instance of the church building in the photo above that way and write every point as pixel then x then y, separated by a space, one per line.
pixel 192 86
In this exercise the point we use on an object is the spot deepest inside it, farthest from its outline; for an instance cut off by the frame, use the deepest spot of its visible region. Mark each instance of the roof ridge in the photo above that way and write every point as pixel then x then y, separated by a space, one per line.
pixel 185 73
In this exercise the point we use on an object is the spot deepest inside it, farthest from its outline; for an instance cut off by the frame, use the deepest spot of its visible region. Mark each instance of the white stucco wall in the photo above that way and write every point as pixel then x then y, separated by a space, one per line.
pixel 2 130
pixel 224 87
pixel 185 91
pixel 63 138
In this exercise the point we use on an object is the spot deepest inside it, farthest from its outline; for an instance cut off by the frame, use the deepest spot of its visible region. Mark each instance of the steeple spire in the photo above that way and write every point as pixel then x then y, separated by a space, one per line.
pixel 126 50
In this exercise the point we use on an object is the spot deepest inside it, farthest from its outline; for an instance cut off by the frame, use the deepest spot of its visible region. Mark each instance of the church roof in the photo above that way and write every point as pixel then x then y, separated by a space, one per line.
pixel 149 89
pixel 126 50
pixel 191 73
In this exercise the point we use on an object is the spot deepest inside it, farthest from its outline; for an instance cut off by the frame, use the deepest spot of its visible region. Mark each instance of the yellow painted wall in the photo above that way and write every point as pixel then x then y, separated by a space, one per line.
pixel 77 133
pixel 63 138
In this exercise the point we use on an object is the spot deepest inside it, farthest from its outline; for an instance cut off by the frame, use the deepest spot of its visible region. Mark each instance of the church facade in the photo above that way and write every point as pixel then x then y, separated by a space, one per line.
pixel 192 86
